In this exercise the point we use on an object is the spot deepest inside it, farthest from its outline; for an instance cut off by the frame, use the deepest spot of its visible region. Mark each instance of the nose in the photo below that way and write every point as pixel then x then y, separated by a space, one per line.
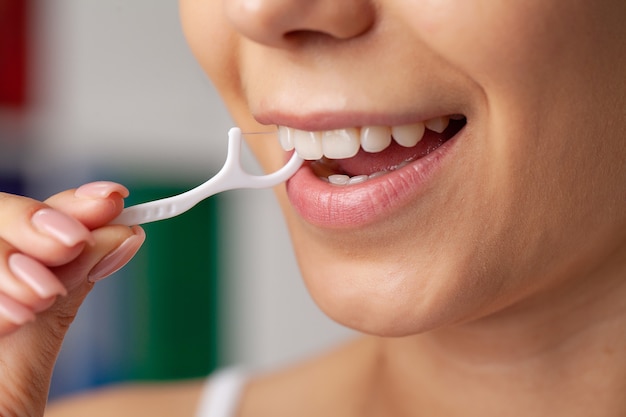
pixel 276 22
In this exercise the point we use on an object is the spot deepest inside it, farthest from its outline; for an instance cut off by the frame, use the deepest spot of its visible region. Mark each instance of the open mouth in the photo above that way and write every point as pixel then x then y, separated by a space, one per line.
pixel 355 155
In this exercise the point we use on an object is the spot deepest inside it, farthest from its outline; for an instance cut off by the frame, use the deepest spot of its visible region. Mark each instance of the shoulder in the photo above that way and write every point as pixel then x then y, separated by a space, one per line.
pixel 329 384
pixel 153 399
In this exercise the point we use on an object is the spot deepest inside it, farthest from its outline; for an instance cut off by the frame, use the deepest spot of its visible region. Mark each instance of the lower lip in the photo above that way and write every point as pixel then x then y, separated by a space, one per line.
pixel 349 207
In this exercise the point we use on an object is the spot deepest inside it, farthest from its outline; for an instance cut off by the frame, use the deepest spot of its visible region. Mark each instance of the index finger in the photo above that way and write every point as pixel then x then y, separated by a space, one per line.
pixel 94 204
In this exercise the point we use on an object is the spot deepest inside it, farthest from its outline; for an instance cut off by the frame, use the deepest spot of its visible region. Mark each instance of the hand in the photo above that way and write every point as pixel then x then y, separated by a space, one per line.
pixel 51 253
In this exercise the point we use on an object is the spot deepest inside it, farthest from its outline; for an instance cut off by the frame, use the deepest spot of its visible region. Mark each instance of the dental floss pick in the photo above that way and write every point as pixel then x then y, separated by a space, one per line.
pixel 231 176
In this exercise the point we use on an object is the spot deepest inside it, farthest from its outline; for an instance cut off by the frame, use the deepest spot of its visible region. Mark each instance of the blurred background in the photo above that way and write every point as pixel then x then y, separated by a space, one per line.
pixel 108 90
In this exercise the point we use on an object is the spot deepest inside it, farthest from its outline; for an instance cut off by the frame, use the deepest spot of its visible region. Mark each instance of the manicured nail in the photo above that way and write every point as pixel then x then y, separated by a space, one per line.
pixel 119 257
pixel 61 227
pixel 36 276
pixel 100 189
pixel 14 311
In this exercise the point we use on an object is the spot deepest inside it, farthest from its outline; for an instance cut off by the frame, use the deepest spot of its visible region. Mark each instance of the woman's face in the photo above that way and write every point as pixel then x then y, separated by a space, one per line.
pixel 524 190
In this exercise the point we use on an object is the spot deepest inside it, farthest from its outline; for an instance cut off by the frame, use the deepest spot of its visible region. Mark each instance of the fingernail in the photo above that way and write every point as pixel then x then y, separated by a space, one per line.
pixel 61 227
pixel 100 189
pixel 14 311
pixel 36 276
pixel 119 257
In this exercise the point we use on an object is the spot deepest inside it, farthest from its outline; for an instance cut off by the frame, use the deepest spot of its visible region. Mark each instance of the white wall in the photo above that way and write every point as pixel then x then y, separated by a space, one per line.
pixel 117 84
pixel 118 88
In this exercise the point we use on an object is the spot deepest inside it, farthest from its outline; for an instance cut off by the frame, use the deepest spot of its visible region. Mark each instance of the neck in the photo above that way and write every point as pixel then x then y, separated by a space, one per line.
pixel 563 352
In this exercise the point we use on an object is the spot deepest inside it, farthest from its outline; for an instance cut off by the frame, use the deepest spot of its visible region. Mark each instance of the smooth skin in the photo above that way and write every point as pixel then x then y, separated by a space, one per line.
pixel 503 282
pixel 498 289
pixel 29 349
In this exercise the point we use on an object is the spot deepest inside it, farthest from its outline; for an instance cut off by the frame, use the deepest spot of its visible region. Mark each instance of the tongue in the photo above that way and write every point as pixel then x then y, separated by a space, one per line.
pixel 365 163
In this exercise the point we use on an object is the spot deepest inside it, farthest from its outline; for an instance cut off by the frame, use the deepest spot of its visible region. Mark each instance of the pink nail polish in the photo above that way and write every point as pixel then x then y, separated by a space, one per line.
pixel 61 227
pixel 119 257
pixel 100 189
pixel 14 311
pixel 36 276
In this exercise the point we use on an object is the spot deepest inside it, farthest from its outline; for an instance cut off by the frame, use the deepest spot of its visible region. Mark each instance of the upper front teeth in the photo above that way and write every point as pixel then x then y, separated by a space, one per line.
pixel 340 143
pixel 309 144
pixel 345 143
pixel 408 135
pixel 375 138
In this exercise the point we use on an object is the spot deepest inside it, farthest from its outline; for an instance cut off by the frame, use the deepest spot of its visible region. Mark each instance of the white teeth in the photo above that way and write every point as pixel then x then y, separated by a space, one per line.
pixel 358 179
pixel 408 135
pixel 345 143
pixel 375 138
pixel 340 143
pixel 308 144
pixel 285 136
pixel 342 179
pixel 338 179
pixel 438 124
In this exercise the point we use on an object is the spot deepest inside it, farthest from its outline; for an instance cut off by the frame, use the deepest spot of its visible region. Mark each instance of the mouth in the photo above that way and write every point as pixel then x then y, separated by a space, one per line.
pixel 358 175
pixel 355 155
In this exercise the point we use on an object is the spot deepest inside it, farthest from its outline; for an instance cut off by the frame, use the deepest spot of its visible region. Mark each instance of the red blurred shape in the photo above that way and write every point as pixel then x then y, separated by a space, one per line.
pixel 13 53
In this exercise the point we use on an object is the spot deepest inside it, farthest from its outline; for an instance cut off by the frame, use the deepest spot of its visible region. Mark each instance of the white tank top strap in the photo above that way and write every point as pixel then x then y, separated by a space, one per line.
pixel 221 393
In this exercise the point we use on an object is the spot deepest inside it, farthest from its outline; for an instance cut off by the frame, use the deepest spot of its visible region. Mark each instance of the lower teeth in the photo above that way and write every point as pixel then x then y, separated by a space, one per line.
pixel 342 179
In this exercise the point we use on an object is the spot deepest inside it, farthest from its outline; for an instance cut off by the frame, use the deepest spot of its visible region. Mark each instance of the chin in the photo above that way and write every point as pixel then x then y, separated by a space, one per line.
pixel 393 299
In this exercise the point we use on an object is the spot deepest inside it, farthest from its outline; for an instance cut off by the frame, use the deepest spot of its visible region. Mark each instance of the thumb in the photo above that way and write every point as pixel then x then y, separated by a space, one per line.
pixel 115 246
pixel 31 351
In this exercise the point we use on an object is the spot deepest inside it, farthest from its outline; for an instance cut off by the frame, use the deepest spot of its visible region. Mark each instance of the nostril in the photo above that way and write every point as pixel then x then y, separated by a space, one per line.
pixel 304 36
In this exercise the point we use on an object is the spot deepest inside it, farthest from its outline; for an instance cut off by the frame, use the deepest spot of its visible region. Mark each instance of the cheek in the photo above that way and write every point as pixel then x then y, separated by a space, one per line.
pixel 217 47
pixel 495 42
pixel 212 42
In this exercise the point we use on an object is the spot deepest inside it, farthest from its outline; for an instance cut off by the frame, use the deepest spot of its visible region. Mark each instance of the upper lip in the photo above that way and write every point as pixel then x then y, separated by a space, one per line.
pixel 337 120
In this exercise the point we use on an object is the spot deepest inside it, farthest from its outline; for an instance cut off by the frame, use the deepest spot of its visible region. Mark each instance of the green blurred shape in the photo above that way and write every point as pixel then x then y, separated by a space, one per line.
pixel 175 290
